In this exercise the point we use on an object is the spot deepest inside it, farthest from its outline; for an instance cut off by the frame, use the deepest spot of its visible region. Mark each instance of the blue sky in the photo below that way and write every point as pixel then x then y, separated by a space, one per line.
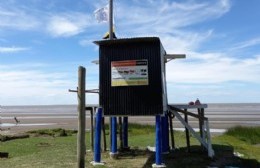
pixel 42 43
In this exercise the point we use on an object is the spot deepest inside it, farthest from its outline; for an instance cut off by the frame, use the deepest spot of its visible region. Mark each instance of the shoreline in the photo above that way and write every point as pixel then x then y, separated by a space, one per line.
pixel 217 125
pixel 221 116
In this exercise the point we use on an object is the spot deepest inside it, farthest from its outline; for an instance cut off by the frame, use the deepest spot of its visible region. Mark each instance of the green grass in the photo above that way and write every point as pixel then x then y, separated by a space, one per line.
pixel 248 134
pixel 45 149
pixel 52 132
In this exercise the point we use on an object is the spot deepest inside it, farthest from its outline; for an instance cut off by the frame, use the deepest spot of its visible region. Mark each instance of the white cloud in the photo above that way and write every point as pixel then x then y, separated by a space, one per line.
pixel 166 16
pixel 34 86
pixel 213 68
pixel 168 20
pixel 12 49
pixel 183 41
pixel 15 18
pixel 246 44
pixel 66 25
pixel 37 84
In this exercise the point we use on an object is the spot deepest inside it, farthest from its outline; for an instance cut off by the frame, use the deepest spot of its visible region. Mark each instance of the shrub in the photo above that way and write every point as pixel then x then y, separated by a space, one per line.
pixel 248 134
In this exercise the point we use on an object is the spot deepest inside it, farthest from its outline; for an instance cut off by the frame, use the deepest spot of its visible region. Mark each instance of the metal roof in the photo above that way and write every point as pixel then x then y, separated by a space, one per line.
pixel 127 40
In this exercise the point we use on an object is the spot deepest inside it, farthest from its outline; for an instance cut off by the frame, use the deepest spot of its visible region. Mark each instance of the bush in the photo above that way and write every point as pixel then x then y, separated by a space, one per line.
pixel 58 132
pixel 250 135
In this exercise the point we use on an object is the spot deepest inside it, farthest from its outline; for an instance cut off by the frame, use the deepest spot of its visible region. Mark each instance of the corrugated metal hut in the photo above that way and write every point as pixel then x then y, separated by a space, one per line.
pixel 132 77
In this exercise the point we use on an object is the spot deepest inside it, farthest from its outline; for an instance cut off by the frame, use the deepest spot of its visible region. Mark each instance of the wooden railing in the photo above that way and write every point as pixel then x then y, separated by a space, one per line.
pixel 204 138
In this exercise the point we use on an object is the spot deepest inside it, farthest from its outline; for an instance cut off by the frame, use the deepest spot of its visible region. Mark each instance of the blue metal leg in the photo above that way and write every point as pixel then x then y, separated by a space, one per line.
pixel 158 153
pixel 114 136
pixel 97 146
pixel 165 134
pixel 158 159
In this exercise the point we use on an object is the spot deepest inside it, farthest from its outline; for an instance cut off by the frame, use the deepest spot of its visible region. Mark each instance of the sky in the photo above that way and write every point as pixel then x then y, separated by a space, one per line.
pixel 42 44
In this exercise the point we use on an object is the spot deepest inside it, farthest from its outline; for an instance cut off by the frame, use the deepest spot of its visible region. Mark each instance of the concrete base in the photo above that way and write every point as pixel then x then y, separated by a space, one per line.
pixel 151 148
pixel 158 166
pixel 97 163
pixel 113 155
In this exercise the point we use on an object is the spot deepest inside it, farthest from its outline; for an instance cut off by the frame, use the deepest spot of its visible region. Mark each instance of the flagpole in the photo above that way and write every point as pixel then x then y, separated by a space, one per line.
pixel 110 19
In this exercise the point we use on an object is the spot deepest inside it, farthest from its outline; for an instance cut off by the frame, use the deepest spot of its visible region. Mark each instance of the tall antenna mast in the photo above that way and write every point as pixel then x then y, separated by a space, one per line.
pixel 110 19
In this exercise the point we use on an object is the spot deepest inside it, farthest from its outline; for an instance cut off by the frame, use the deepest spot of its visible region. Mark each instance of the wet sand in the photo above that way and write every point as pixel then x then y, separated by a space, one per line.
pixel 57 117
pixel 71 122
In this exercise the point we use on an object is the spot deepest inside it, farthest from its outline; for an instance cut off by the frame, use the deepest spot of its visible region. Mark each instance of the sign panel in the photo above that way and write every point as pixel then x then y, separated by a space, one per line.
pixel 129 73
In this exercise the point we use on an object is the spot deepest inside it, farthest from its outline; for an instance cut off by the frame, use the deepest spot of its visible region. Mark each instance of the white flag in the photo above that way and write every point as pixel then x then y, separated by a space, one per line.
pixel 102 14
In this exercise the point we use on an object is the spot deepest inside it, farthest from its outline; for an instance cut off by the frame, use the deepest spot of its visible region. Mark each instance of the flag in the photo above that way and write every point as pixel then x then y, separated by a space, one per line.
pixel 102 14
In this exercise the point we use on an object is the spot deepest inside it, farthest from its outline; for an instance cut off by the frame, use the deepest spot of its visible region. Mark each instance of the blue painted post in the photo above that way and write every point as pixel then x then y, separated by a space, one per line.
pixel 158 157
pixel 97 147
pixel 125 133
pixel 158 153
pixel 165 134
pixel 113 151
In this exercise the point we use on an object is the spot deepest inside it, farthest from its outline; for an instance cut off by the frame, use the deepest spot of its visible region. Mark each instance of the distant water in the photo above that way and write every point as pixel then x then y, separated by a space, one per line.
pixel 220 115
pixel 247 108
pixel 221 108
pixel 44 109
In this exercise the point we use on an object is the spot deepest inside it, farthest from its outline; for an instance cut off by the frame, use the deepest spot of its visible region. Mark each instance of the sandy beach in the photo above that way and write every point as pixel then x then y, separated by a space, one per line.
pixel 221 117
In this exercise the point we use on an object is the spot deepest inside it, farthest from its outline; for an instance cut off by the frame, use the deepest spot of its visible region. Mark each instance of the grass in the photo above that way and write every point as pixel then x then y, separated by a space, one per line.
pixel 52 132
pixel 248 134
pixel 47 149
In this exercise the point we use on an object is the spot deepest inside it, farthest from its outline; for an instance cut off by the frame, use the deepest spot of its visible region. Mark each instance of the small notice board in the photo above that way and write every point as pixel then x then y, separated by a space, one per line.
pixel 129 73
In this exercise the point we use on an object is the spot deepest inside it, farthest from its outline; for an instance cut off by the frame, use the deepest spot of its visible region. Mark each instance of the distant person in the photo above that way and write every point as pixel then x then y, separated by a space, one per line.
pixel 16 120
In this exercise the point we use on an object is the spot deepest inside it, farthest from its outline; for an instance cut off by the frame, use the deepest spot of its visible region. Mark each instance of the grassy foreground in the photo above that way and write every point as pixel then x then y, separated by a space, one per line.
pixel 57 148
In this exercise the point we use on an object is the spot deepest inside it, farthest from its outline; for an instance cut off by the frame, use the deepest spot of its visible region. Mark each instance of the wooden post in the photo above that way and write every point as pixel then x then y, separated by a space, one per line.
pixel 81 146
pixel 120 132
pixel 202 125
pixel 200 112
pixel 171 131
pixel 125 133
pixel 187 131
pixel 110 132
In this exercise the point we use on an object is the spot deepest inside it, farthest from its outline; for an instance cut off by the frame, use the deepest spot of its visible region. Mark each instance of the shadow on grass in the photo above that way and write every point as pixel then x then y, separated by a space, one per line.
pixel 133 153
pixel 224 157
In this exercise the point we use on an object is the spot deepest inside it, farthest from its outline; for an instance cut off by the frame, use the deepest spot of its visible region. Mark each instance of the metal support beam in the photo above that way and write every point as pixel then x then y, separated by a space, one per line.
pixel 97 146
pixel 113 152
pixel 158 153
